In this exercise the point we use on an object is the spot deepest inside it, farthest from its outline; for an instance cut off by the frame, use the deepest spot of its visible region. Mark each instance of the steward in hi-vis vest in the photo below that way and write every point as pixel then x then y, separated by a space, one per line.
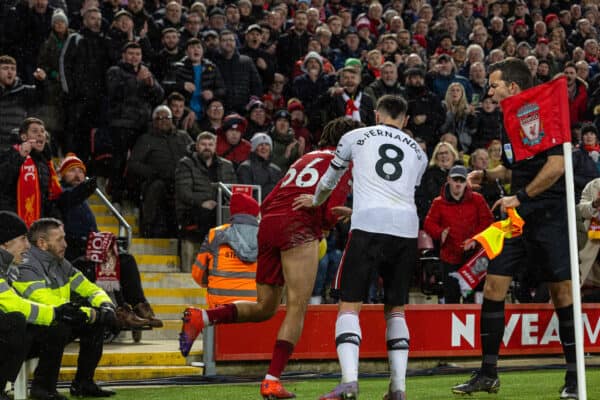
pixel 226 263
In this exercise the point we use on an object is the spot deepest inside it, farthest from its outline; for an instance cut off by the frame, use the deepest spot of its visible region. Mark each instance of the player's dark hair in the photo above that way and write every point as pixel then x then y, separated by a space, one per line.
pixel 39 229
pixel 393 106
pixel 335 129
pixel 514 70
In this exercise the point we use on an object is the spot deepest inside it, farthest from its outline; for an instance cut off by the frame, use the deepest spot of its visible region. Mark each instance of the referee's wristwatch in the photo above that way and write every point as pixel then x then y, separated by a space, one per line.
pixel 522 196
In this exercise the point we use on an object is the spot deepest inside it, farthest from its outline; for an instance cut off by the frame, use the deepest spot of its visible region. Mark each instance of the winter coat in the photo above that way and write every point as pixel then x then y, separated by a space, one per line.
pixel 280 143
pixel 378 88
pixel 85 62
pixel 488 126
pixel 431 182
pixel 578 105
pixel 465 218
pixel 335 106
pixel 439 84
pixel 193 184
pixel 258 171
pixel 237 154
pixel 17 103
pixel 291 47
pixel 463 127
pixel 183 71
pixel 242 81
pixel 309 93
pixel 155 155
pixel 588 255
pixel 131 100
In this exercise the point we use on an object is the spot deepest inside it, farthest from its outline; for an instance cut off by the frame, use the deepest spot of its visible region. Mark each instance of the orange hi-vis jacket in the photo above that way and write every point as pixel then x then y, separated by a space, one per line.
pixel 226 263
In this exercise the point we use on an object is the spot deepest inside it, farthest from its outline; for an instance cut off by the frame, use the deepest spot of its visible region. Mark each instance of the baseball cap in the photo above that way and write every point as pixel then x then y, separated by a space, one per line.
pixel 444 57
pixel 254 27
pixel 543 40
pixel 458 171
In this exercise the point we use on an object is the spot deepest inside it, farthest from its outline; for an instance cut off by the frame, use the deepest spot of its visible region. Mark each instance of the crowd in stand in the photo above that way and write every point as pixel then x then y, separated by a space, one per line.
pixel 166 97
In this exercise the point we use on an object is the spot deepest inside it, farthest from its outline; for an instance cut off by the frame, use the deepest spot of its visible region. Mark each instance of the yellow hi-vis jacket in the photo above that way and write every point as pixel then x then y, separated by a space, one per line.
pixel 45 279
pixel 492 238
pixel 10 301
pixel 226 263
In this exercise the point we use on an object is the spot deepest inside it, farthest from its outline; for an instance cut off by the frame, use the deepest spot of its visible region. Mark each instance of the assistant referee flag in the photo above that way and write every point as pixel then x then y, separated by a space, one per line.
pixel 537 118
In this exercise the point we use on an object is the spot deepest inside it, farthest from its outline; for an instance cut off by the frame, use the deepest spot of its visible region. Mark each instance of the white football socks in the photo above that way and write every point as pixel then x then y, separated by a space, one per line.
pixel 347 339
pixel 397 338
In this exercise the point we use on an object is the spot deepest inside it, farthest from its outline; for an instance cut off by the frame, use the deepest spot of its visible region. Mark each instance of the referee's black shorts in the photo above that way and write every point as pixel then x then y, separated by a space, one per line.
pixel 393 257
pixel 544 245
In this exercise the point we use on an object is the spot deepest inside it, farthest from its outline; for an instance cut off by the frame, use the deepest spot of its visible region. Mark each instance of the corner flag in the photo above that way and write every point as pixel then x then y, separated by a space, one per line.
pixel 537 118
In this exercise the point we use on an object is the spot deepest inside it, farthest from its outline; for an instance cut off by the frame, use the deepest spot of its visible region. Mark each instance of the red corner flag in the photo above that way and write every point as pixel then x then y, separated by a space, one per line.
pixel 538 118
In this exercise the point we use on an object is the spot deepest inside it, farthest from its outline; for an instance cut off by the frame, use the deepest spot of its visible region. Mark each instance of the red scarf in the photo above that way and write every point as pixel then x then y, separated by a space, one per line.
pixel 102 249
pixel 591 147
pixel 350 107
pixel 374 70
pixel 29 199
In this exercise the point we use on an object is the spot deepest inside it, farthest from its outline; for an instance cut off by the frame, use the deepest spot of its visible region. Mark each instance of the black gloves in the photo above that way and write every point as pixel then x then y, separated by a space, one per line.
pixel 106 316
pixel 70 314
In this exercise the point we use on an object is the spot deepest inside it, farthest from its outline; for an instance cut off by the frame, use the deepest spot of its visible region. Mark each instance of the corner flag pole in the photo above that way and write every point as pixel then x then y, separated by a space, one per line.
pixel 573 253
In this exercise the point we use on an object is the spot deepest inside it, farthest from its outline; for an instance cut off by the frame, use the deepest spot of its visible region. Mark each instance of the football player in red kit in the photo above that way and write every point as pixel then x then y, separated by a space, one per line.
pixel 288 248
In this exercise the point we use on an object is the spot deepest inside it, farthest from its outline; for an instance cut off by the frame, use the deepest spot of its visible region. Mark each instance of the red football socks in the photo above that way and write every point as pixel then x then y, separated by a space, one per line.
pixel 224 314
pixel 281 354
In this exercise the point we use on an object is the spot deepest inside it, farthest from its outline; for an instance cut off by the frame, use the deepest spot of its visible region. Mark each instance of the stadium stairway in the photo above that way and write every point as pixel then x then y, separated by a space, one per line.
pixel 168 291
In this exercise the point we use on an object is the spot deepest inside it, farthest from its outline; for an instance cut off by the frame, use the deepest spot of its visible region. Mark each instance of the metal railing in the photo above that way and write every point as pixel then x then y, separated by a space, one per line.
pixel 123 224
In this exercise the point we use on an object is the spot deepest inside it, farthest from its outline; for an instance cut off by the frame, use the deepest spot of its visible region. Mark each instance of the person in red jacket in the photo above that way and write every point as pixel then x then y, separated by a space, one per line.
pixel 578 96
pixel 230 144
pixel 456 215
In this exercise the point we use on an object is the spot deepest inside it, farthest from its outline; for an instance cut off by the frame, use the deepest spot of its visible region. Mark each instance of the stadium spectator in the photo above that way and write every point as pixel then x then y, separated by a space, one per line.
pixel 425 111
pixel 196 77
pixel 79 221
pixel 478 80
pixel 168 53
pixel 34 25
pixel 25 324
pixel 491 191
pixel 86 60
pixel 183 118
pixel 444 156
pixel 293 44
pixel 46 277
pixel 460 116
pixel 30 198
pixel 578 95
pixel 226 262
pixel 494 149
pixel 591 143
pixel 588 251
pixel 258 168
pixel 243 79
pixel 152 164
pixel 133 93
pixel 444 75
pixel 487 124
pixel 195 197
pixel 213 121
pixel 230 142
pixel 274 98
pixel 52 110
pixel 348 99
pixel 17 100
pixel 194 24
pixel 311 86
pixel 298 123
pixel 455 216
pixel 286 147
pixel 258 120
pixel 265 63
pixel 386 83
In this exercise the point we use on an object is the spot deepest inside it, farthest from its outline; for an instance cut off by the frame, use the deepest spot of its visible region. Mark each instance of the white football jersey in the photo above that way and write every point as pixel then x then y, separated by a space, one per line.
pixel 387 166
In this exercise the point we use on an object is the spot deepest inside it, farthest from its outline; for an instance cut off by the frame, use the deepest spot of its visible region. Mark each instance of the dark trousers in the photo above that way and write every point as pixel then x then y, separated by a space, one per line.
pixel 122 140
pixel 158 218
pixel 13 346
pixel 20 341
pixel 452 292
pixel 81 117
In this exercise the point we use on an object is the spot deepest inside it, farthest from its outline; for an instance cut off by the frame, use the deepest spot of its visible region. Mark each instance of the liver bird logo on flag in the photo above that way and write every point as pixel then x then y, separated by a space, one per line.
pixel 537 118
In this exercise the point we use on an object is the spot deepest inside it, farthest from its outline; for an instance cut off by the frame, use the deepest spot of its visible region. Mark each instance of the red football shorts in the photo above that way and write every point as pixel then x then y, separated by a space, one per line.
pixel 276 234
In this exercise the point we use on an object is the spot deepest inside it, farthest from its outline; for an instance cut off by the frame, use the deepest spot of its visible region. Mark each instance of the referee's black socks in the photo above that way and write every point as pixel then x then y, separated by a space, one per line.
pixel 492 330
pixel 566 330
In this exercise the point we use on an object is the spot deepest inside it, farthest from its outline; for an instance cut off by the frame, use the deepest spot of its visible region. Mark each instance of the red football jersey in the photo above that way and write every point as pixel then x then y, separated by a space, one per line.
pixel 302 178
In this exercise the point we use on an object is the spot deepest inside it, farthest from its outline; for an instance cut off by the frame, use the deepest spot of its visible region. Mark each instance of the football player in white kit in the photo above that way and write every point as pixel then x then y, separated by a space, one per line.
pixel 387 166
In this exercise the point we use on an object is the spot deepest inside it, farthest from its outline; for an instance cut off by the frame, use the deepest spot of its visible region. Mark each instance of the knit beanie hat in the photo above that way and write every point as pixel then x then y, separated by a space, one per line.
pixel 312 55
pixel 260 138
pixel 59 15
pixel 234 121
pixel 12 226
pixel 241 203
pixel 71 161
